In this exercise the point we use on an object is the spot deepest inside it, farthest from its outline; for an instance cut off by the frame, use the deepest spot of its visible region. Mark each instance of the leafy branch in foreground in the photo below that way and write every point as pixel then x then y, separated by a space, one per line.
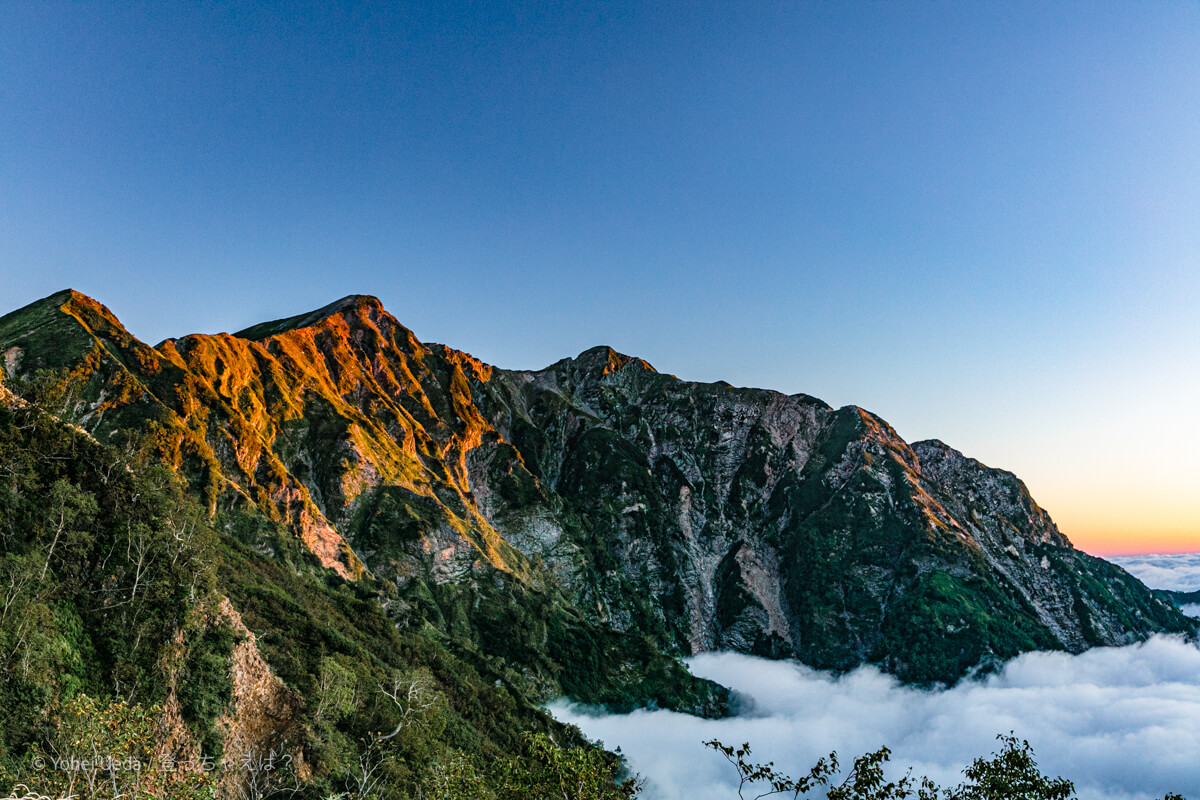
pixel 750 773
pixel 1010 774
pixel 865 780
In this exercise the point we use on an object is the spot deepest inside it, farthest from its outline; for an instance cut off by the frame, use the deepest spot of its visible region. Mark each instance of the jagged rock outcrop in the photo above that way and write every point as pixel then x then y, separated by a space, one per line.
pixel 778 525
pixel 262 717
pixel 701 515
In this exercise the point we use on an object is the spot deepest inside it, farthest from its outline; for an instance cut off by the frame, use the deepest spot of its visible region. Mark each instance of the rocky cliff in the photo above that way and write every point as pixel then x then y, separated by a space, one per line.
pixel 552 510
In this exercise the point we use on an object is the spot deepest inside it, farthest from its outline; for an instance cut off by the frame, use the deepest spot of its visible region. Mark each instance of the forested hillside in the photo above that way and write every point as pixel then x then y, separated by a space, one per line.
pixel 136 626
pixel 367 559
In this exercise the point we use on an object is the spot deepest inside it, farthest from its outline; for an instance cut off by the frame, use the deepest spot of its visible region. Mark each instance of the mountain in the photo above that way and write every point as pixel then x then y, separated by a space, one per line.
pixel 590 520
pixel 133 631
pixel 340 427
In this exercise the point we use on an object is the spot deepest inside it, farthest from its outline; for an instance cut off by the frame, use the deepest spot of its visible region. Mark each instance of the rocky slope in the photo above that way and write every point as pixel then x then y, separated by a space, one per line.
pixel 132 630
pixel 777 525
pixel 572 510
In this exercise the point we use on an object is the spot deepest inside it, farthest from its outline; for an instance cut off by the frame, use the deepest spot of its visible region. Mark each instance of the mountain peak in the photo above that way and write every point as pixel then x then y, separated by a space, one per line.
pixel 605 360
pixel 55 331
pixel 350 305
pixel 71 302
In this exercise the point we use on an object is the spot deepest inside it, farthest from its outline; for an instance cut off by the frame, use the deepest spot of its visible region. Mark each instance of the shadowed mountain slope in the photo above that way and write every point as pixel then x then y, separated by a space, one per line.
pixel 525 506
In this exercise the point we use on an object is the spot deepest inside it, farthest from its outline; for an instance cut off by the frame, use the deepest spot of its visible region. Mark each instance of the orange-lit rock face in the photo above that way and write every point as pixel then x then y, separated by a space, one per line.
pixel 300 420
pixel 701 515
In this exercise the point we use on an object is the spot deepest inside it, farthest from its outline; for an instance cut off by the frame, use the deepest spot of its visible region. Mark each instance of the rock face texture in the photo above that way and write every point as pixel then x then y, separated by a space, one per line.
pixel 702 516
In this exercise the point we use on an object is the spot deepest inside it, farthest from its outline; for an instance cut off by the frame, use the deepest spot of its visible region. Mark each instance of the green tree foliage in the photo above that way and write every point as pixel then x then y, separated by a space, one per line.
pixel 102 556
pixel 205 689
pixel 546 771
pixel 106 751
pixel 336 691
pixel 455 777
pixel 1010 774
pixel 865 781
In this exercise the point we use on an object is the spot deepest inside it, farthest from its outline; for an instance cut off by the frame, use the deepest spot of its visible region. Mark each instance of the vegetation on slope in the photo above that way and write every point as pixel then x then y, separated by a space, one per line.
pixel 610 516
pixel 324 540
pixel 110 575
pixel 342 418
pixel 106 569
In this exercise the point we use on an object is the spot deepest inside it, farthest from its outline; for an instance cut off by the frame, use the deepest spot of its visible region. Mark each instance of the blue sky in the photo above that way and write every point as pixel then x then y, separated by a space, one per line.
pixel 979 220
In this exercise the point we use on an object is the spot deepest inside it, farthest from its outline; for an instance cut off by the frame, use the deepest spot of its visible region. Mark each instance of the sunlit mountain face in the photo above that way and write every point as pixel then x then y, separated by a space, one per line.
pixel 819 376
pixel 700 515
pixel 457 530
pixel 571 531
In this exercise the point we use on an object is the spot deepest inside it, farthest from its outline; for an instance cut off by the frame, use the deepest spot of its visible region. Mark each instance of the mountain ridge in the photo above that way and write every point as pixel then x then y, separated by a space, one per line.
pixel 701 516
pixel 347 304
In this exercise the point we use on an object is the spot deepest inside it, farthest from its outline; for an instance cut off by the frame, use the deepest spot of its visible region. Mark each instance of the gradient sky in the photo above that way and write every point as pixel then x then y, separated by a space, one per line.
pixel 978 220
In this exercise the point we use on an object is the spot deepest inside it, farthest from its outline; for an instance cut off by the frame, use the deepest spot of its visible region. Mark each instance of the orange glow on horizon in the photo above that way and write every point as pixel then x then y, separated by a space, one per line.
pixel 1108 512
pixel 1127 534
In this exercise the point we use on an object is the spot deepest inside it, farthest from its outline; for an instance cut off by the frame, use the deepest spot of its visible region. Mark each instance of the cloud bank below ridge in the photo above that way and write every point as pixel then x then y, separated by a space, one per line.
pixel 1178 572
pixel 1122 723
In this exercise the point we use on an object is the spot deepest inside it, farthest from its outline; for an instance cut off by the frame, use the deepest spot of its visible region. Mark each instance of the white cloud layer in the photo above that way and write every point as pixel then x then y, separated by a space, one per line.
pixel 1179 572
pixel 1122 723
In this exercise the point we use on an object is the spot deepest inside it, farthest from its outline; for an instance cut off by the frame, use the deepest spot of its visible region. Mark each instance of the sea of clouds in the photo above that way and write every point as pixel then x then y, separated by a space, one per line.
pixel 1122 723
pixel 1179 572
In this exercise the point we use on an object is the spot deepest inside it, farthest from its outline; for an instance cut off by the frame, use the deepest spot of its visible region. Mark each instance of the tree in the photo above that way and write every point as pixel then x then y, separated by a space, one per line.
pixel 865 780
pixel 750 773
pixel 69 509
pixel 413 696
pixel 1011 774
pixel 549 772
pixel 106 751
pixel 453 778
pixel 335 692
pixel 268 775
